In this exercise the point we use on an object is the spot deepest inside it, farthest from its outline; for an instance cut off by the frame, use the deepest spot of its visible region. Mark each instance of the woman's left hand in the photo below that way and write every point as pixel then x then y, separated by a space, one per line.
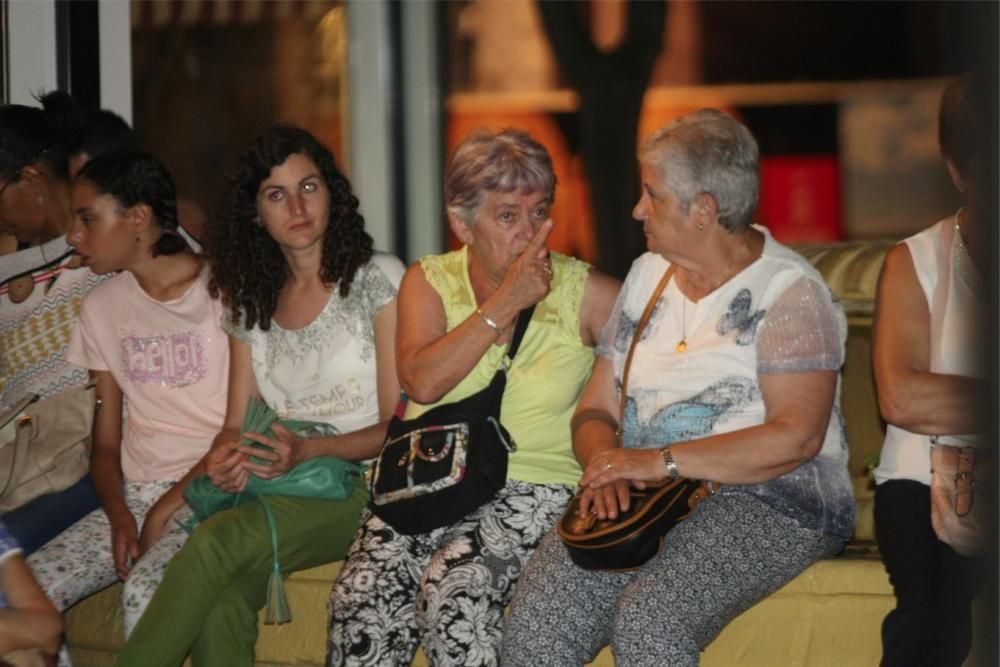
pixel 285 452
pixel 637 466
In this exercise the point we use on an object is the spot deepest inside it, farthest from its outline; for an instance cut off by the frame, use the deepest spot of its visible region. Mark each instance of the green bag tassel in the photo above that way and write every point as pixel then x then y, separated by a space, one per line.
pixel 322 477
pixel 276 611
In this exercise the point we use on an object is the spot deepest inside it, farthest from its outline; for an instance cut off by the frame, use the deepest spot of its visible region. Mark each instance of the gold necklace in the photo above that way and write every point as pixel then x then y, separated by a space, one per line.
pixel 682 345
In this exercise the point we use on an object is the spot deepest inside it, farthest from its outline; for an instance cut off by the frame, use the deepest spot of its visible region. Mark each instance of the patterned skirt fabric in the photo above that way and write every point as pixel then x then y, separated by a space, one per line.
pixel 445 590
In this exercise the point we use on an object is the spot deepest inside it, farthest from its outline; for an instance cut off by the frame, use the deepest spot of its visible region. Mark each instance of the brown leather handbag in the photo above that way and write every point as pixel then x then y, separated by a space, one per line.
pixel 635 536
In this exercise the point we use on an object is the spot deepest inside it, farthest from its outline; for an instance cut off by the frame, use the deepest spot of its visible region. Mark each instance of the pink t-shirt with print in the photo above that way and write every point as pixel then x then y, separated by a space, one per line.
pixel 171 360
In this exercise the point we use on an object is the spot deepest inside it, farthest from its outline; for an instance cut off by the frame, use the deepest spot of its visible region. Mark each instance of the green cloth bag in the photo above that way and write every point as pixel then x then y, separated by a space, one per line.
pixel 326 477
pixel 321 477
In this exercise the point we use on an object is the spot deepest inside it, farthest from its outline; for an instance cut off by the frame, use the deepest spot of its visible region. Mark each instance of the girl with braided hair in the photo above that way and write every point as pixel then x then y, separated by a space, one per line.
pixel 150 337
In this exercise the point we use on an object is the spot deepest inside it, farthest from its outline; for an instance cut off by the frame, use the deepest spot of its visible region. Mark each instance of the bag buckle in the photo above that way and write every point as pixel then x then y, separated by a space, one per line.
pixel 509 445
pixel 424 453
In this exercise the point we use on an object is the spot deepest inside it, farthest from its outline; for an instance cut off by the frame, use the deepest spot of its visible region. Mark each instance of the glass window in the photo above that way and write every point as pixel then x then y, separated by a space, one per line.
pixel 210 76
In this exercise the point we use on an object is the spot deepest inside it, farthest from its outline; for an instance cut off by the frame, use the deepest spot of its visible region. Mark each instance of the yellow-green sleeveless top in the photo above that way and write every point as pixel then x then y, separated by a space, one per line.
pixel 548 373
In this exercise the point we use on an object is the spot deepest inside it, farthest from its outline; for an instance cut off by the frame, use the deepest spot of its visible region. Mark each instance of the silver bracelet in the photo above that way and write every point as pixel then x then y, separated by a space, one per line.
pixel 668 460
pixel 489 322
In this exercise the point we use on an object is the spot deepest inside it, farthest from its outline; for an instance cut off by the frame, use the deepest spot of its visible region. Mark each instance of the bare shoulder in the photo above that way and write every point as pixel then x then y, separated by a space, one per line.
pixel 414 282
pixel 599 296
pixel 601 284
pixel 898 264
pixel 898 285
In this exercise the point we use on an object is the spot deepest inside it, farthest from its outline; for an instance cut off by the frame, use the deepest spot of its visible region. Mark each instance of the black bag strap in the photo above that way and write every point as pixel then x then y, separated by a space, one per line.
pixel 523 318
pixel 492 395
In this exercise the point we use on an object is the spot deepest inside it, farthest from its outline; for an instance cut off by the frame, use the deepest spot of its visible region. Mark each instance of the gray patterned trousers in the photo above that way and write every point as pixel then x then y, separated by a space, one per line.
pixel 733 551
pixel 445 590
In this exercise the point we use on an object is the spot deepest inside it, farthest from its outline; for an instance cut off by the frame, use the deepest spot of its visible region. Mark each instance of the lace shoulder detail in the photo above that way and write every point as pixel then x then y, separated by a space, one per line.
pixel 378 282
pixel 562 305
pixel 804 330
pixel 446 274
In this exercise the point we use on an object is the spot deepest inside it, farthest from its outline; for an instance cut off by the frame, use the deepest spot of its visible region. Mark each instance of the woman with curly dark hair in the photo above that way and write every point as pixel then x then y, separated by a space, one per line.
pixel 311 321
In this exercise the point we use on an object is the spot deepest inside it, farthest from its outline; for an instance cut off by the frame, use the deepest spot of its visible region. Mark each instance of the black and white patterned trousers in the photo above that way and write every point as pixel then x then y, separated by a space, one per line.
pixel 445 590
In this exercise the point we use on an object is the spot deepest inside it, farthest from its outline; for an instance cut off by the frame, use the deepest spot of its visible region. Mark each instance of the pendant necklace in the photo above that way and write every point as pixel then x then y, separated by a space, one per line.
pixel 682 345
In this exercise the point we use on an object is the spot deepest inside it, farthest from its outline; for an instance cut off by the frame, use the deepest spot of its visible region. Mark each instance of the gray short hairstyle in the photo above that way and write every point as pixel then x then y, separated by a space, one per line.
pixel 495 162
pixel 708 152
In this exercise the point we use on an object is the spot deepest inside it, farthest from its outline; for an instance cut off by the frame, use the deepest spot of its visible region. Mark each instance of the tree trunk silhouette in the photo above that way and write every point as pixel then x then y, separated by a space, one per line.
pixel 611 87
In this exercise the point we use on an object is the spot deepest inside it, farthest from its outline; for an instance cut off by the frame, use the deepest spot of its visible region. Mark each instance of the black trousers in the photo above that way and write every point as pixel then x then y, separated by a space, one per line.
pixel 934 585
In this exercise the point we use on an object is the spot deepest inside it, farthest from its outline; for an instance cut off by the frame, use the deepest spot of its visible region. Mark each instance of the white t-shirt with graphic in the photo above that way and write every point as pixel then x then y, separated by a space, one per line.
pixel 171 360
pixel 776 316
pixel 326 371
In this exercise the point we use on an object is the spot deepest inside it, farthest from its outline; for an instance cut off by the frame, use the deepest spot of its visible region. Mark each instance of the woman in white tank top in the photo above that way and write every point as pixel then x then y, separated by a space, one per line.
pixel 930 311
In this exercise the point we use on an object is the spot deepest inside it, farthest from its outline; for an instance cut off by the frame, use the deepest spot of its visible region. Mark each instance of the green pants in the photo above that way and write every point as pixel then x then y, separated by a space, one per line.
pixel 208 600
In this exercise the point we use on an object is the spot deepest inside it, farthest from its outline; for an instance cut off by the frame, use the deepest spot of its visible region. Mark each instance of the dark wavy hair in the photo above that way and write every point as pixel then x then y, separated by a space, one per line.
pixel 132 178
pixel 248 267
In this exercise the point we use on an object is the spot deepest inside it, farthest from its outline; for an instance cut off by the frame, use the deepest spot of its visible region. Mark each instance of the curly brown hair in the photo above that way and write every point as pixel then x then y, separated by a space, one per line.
pixel 248 267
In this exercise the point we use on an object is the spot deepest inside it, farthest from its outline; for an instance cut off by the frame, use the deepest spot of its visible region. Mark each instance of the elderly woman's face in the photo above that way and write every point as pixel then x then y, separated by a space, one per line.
pixel 504 224
pixel 659 211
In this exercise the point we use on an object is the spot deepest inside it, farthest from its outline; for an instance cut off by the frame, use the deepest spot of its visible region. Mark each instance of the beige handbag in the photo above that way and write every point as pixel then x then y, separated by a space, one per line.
pixel 31 657
pixel 46 446
pixel 961 494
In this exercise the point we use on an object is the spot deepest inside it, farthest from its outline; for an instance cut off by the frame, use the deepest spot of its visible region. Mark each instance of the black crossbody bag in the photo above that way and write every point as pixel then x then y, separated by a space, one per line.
pixel 438 468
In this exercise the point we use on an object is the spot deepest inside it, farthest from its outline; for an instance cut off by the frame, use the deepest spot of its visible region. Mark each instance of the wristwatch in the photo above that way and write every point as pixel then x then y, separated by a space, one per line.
pixel 668 460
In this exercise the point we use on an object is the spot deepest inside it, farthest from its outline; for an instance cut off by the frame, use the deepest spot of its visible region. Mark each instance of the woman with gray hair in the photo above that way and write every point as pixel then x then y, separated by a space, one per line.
pixel 734 379
pixel 447 589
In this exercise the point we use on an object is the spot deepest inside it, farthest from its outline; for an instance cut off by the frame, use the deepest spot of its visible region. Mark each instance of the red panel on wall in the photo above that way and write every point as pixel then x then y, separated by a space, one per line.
pixel 800 197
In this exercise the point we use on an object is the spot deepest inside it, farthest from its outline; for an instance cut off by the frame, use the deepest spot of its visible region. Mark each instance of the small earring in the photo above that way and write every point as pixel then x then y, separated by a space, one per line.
pixel 257 221
pixel 701 226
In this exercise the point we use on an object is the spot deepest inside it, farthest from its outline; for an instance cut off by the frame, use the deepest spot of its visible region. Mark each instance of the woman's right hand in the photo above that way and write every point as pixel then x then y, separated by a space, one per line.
pixel 225 464
pixel 124 543
pixel 605 501
pixel 529 279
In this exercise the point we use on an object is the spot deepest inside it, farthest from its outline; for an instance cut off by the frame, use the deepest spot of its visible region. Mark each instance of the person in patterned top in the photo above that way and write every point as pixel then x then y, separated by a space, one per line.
pixel 40 292
pixel 311 318
pixel 735 379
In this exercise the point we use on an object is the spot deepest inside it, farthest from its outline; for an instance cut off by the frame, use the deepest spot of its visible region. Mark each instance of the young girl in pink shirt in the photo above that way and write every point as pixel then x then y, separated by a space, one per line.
pixel 151 337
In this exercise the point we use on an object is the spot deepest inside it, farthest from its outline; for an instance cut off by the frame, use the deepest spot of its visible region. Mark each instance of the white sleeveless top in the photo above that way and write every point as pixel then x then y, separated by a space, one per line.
pixel 952 287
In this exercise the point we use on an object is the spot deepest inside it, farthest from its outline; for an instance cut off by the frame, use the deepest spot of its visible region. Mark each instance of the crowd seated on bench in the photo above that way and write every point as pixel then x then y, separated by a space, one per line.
pixel 725 356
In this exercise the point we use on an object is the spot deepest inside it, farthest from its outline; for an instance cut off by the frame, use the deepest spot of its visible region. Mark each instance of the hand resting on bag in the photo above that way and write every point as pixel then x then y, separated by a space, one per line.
pixel 225 463
pixel 282 453
pixel 607 500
